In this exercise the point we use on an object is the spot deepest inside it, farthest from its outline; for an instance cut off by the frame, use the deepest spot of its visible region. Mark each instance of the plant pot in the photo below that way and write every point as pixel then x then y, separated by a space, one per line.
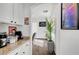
pixel 50 47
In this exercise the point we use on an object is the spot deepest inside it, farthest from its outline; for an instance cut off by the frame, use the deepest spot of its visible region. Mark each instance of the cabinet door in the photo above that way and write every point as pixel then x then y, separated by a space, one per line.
pixel 18 13
pixel 15 13
pixel 5 12
pixel 21 14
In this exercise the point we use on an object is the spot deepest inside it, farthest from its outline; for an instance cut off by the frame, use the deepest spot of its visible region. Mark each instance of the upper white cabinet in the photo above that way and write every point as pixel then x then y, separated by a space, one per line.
pixel 5 12
pixel 11 12
pixel 18 13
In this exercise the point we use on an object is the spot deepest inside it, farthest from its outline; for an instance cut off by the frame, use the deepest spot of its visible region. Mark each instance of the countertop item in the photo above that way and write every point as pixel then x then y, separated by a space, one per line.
pixel 12 39
pixel 10 47
pixel 3 39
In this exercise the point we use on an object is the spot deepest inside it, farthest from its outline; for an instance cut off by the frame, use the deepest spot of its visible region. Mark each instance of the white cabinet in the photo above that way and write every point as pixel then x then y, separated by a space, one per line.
pixel 5 12
pixel 18 14
pixel 25 49
pixel 11 12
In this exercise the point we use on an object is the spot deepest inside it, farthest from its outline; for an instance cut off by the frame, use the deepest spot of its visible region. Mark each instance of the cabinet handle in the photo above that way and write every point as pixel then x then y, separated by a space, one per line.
pixel 15 22
pixel 11 21
pixel 16 53
pixel 23 52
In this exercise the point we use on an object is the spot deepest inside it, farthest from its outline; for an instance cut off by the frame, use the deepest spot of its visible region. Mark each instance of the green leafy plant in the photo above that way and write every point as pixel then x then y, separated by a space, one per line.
pixel 50 28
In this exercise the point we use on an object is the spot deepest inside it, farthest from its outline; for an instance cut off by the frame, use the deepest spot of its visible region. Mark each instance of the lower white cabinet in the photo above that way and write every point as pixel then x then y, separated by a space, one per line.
pixel 25 49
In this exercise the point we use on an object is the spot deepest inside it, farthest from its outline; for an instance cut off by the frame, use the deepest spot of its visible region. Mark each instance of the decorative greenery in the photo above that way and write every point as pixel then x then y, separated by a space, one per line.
pixel 50 28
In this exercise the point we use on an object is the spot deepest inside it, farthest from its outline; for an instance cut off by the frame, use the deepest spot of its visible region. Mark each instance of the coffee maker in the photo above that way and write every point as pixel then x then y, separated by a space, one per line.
pixel 3 39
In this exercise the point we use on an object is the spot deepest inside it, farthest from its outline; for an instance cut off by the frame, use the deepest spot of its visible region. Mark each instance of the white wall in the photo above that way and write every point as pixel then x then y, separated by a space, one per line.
pixel 67 41
pixel 34 28
pixel 37 15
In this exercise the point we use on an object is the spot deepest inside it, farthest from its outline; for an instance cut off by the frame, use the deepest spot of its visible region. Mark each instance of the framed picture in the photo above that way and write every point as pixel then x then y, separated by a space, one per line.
pixel 69 16
pixel 26 21
pixel 42 24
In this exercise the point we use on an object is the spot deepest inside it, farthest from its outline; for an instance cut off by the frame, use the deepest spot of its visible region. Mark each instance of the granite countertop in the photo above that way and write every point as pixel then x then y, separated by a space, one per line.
pixel 10 47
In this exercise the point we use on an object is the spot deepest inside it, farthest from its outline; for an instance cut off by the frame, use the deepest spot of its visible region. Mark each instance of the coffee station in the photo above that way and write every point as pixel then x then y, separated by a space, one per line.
pixel 10 43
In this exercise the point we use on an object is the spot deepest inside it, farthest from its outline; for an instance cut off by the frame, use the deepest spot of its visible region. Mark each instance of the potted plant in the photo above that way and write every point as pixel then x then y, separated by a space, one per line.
pixel 49 30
